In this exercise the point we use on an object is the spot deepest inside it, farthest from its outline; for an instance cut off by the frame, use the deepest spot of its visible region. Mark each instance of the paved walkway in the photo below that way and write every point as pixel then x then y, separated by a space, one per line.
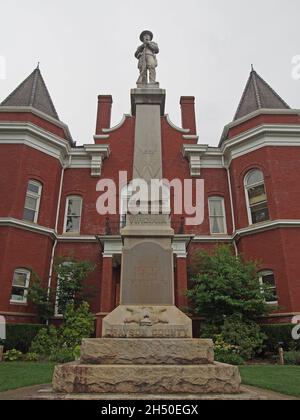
pixel 26 393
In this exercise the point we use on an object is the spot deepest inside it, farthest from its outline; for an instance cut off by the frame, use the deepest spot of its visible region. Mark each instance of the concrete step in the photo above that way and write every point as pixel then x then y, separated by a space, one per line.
pixel 153 351
pixel 76 378
pixel 244 395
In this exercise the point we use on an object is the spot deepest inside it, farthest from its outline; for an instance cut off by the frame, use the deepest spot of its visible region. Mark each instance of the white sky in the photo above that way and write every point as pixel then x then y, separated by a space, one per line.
pixel 207 46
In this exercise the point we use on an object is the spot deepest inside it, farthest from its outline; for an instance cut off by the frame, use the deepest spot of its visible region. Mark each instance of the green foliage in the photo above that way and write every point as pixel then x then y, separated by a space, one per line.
pixel 78 324
pixel 20 336
pixel 224 285
pixel 31 357
pixel 229 358
pixel 292 358
pixel 46 342
pixel 279 333
pixel 61 344
pixel 41 298
pixel 12 355
pixel 227 353
pixel 245 336
pixel 63 355
pixel 72 274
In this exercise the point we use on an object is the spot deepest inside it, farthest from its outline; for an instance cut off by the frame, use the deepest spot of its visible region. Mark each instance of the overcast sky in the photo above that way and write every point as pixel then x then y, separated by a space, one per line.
pixel 87 48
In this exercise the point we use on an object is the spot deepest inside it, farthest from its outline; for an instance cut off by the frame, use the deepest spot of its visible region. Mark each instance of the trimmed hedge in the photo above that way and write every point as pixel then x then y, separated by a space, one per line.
pixel 20 336
pixel 279 333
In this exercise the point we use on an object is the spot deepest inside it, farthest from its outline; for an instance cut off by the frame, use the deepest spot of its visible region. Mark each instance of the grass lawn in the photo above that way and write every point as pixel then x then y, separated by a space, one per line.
pixel 282 379
pixel 15 375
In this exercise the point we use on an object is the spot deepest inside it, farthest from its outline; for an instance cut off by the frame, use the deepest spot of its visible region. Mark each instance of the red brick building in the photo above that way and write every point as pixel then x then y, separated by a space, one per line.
pixel 48 194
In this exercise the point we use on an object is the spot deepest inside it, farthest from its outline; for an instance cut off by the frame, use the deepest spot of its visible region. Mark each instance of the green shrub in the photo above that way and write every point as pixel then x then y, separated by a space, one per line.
pixel 63 344
pixel 292 357
pixel 31 357
pixel 226 353
pixel 224 356
pixel 78 324
pixel 20 336
pixel 279 333
pixel 246 336
pixel 13 355
pixel 62 356
pixel 46 342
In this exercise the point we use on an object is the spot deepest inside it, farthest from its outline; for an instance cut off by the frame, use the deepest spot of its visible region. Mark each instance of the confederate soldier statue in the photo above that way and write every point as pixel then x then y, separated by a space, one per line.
pixel 146 54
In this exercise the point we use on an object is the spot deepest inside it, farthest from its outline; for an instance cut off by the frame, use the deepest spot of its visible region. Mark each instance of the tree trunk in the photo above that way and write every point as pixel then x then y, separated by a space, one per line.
pixel 1 353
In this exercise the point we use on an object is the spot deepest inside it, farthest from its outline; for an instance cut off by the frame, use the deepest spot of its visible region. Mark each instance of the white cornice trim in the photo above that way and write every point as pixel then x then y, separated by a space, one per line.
pixel 180 129
pixel 263 111
pixel 22 109
pixel 101 137
pixel 32 227
pixel 119 125
pixel 190 137
pixel 262 227
pixel 213 238
pixel 267 135
pixel 117 239
pixel 35 137
pixel 73 239
pixel 31 135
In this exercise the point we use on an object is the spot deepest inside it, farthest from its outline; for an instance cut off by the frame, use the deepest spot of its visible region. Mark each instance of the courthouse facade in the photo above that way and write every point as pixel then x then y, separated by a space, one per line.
pixel 48 194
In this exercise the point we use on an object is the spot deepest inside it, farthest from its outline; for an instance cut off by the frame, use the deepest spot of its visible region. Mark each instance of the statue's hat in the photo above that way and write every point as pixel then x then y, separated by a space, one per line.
pixel 146 33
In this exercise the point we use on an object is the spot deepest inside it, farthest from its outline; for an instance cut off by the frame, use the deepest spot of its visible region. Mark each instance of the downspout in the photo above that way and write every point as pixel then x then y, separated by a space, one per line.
pixel 231 205
pixel 65 166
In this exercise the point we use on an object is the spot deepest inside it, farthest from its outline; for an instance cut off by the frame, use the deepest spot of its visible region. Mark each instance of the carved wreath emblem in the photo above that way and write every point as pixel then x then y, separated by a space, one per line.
pixel 146 317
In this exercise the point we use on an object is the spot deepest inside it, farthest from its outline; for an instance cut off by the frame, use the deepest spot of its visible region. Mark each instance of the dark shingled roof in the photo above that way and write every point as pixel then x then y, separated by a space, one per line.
pixel 257 95
pixel 32 92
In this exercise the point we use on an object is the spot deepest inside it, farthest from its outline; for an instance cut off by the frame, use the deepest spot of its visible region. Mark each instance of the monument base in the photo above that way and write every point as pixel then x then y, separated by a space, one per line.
pixel 146 366
pixel 142 351
pixel 214 378
pixel 129 321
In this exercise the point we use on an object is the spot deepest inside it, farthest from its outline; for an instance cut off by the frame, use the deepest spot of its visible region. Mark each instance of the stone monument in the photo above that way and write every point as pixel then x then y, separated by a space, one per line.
pixel 147 345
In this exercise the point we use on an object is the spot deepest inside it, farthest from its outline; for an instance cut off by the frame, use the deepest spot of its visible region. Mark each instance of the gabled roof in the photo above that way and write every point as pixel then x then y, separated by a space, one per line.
pixel 258 95
pixel 33 93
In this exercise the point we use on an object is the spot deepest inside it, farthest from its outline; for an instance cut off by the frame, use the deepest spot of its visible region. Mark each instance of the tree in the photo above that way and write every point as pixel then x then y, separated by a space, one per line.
pixel 72 275
pixel 71 284
pixel 41 298
pixel 224 285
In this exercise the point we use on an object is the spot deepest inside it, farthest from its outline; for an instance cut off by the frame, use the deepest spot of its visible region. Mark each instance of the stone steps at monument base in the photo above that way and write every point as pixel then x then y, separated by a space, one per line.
pixel 217 378
pixel 244 395
pixel 153 351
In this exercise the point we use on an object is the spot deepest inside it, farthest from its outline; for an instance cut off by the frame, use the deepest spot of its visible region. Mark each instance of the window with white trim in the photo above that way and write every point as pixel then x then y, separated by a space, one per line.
pixel 256 196
pixel 20 286
pixel 217 217
pixel 73 214
pixel 32 201
pixel 267 281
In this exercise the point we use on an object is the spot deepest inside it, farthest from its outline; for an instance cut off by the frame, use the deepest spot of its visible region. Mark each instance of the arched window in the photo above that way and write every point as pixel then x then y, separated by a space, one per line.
pixel 267 281
pixel 217 217
pixel 32 201
pixel 20 285
pixel 256 197
pixel 73 214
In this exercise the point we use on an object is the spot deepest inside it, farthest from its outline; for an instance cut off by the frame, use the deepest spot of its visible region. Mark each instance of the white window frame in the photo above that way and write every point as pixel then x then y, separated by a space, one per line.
pixel 263 274
pixel 246 188
pixel 219 198
pixel 25 288
pixel 72 197
pixel 35 196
